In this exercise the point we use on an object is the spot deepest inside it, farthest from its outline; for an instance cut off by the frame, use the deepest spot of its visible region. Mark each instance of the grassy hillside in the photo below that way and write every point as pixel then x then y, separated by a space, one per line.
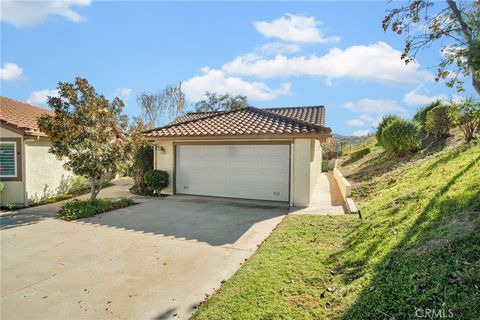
pixel 417 248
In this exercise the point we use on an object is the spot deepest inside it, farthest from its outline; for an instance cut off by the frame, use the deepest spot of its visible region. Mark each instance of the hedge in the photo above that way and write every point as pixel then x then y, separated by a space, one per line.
pixel 360 153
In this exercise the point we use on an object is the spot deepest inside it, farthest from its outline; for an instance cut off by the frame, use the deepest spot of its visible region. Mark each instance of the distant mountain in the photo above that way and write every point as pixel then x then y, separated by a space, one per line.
pixel 354 140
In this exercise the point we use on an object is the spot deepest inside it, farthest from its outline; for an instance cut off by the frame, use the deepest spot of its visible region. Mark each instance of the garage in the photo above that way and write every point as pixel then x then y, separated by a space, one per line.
pixel 237 171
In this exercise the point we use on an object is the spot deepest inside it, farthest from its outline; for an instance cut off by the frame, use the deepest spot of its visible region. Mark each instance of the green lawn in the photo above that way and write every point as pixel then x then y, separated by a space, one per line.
pixel 418 247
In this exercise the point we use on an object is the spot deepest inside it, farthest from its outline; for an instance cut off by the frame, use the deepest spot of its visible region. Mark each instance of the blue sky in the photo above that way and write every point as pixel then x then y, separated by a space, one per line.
pixel 278 54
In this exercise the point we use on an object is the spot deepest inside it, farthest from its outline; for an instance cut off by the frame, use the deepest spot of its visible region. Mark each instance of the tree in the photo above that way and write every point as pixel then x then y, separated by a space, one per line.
pixel 170 101
pixel 467 116
pixel 383 124
pixel 400 137
pixel 225 102
pixel 420 116
pixel 439 121
pixel 88 132
pixel 426 21
pixel 142 155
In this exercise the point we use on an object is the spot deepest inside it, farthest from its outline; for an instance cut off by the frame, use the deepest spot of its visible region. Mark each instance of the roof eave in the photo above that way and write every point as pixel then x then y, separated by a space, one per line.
pixel 277 136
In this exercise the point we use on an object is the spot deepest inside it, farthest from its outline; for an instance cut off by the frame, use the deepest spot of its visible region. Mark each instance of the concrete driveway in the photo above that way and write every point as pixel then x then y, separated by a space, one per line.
pixel 155 260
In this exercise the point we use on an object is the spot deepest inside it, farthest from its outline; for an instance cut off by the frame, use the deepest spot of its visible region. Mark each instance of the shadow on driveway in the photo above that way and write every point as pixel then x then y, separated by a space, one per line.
pixel 216 221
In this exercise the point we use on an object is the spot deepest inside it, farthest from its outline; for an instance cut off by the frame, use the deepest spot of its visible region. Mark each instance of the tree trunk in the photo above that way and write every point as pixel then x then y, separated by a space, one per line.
pixel 469 40
pixel 476 80
pixel 93 191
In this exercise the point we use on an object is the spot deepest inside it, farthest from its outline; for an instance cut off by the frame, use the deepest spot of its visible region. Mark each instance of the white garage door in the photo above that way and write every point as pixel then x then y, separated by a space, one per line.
pixel 237 171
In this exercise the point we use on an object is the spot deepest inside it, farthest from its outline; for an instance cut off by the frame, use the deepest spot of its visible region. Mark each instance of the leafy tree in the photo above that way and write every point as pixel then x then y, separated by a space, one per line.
pixel 420 116
pixel 169 101
pixel 400 137
pixel 142 162
pixel 225 102
pixel 90 133
pixel 439 121
pixel 457 24
pixel 142 159
pixel 467 116
pixel 381 126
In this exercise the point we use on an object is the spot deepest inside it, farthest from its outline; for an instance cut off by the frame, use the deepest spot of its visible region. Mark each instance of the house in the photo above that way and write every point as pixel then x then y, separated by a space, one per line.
pixel 252 153
pixel 28 171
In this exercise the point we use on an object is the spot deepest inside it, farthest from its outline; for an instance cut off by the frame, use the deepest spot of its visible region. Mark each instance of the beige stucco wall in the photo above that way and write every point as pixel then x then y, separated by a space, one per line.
pixel 315 163
pixel 45 175
pixel 301 154
pixel 165 160
pixel 13 191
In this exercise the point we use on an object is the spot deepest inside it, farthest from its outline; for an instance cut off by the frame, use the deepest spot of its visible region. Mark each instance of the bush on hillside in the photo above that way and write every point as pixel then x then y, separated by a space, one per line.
pixel 439 121
pixel 421 116
pixel 156 180
pixel 382 125
pixel 400 137
pixel 360 153
pixel 466 115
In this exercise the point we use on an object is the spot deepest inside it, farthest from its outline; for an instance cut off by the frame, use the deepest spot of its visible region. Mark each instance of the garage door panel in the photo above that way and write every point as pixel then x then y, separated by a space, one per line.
pixel 276 166
pixel 242 165
pixel 215 164
pixel 241 171
pixel 278 151
pixel 242 151
pixel 212 152
pixel 270 180
pixel 191 151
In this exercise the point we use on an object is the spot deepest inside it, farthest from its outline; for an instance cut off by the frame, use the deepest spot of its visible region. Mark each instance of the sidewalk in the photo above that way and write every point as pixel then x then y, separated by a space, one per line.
pixel 326 199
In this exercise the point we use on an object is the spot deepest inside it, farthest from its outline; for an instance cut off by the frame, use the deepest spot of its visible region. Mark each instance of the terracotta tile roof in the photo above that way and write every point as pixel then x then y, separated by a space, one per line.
pixel 249 121
pixel 313 114
pixel 194 116
pixel 22 115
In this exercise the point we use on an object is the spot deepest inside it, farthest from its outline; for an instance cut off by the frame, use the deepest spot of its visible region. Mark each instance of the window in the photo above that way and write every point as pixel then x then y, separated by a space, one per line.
pixel 8 159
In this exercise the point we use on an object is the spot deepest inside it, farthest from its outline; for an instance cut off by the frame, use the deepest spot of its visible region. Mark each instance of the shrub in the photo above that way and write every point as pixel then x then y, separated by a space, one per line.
pixel 421 116
pixel 466 115
pixel 2 186
pixel 439 121
pixel 383 124
pixel 360 153
pixel 79 183
pixel 57 198
pixel 400 137
pixel 156 180
pixel 142 162
pixel 78 209
pixel 10 206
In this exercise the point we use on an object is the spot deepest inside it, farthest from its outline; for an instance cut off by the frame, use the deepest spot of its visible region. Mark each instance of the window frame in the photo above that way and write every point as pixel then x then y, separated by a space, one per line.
pixel 17 158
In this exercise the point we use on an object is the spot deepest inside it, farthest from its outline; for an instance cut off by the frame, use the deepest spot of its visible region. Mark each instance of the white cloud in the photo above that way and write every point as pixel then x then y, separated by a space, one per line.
pixel 355 123
pixel 360 133
pixel 371 121
pixel 28 13
pixel 378 62
pixel 217 81
pixel 364 120
pixel 123 93
pixel 279 48
pixel 294 28
pixel 415 98
pixel 40 96
pixel 374 106
pixel 10 72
